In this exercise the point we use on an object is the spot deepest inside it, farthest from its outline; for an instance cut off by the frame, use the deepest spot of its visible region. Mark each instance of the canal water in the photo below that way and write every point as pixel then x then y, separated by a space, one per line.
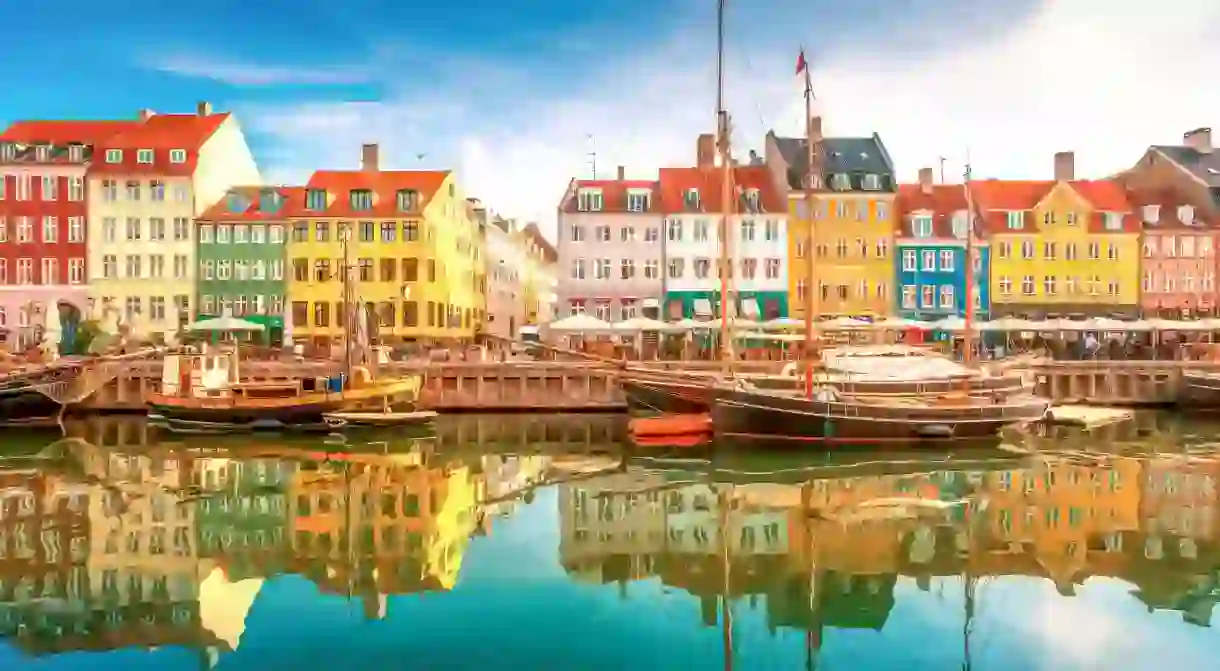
pixel 542 543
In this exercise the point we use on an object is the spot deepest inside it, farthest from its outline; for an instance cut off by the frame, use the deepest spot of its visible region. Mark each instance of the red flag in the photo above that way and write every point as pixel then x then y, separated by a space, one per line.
pixel 800 62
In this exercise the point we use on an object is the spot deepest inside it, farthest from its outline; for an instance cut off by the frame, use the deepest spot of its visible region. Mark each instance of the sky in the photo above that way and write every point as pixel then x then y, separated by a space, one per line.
pixel 516 95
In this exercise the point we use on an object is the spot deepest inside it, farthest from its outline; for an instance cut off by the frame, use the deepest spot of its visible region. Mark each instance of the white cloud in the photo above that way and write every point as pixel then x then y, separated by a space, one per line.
pixel 1100 78
pixel 247 74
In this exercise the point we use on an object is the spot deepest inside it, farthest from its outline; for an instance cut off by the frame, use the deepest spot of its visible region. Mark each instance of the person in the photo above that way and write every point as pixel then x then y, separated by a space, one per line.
pixel 1090 346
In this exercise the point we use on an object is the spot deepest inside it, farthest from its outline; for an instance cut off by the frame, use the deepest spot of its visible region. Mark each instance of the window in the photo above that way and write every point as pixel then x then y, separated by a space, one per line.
pixel 927 296
pixel 156 228
pixel 110 190
pixel 224 269
pixel 578 233
pixel 626 234
pixel 368 232
pixel 50 271
pixel 1113 221
pixel 1048 285
pixel 637 201
pixel 872 182
pixel 144 156
pixel 1069 251
pixel 677 267
pixel 652 269
pixel 156 266
pixel 1027 249
pixel 1187 248
pixel 883 248
pixel 908 297
pixel 1094 251
pixel 1016 220
pixel 773 268
pixel 602 233
pixel 321 313
pixel 205 233
pixel 76 189
pixel 589 200
pixel 389 231
pixel 177 156
pixel 315 199
pixel 182 193
pixel 841 248
pixel 1048 251
pixel 24 182
pixel 361 200
pixel 133 190
pixel 50 229
pixel 110 266
pixel 651 234
pixel 223 234
pixel 921 226
pixel 946 296
pixel 25 271
pixel 701 230
pixel 1027 285
pixel 749 267
pixel 410 231
pixel 50 188
pixel 1006 285
pixel 241 234
pixel 25 230
pixel 946 260
pixel 134 267
pixel 703 268
pixel 133 228
pixel 275 234
pixel 626 269
pixel 410 270
pixel 76 271
pixel 1112 250
pixel 747 230
pixel 180 266
pixel 366 270
pixel 674 230
pixel 114 155
pixel 1113 287
pixel 908 260
pixel 578 269
pixel 771 231
pixel 929 260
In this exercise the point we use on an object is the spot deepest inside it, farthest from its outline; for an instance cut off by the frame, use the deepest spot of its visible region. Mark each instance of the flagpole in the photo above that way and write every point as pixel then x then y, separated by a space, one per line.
pixel 810 296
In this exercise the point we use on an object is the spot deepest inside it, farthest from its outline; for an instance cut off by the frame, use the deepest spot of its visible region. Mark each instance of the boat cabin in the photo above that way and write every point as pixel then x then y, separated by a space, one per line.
pixel 215 373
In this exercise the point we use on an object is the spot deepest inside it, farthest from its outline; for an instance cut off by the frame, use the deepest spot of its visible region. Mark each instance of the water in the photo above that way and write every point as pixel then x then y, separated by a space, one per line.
pixel 533 543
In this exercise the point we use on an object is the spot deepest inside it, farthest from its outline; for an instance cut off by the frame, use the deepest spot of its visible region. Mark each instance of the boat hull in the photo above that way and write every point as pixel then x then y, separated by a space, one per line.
pixel 680 397
pixel 1200 391
pixel 772 417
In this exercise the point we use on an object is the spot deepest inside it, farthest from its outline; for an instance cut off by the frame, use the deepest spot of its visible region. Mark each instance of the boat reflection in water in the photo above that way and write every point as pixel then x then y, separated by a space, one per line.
pixel 117 537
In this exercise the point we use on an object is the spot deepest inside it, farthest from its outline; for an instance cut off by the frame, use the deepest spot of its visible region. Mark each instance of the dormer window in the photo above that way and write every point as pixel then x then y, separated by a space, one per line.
pixel 114 155
pixel 1016 220
pixel 144 156
pixel 1152 213
pixel 7 151
pixel 1114 221
pixel 1186 215
pixel 637 201
pixel 960 224
pixel 589 200
pixel 691 199
pixel 752 199
pixel 237 203
pixel 408 200
pixel 315 199
pixel 872 182
pixel 42 154
pixel 361 199
pixel 270 201
pixel 921 225
pixel 177 156
pixel 840 181
pixel 76 153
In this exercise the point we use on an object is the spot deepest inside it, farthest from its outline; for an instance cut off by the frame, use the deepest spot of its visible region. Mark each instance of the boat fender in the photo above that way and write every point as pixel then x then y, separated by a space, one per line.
pixel 935 431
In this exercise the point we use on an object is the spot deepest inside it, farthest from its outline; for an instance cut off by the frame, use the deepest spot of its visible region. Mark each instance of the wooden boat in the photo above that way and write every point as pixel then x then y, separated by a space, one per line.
pixel 372 419
pixel 204 393
pixel 1200 391
pixel 829 417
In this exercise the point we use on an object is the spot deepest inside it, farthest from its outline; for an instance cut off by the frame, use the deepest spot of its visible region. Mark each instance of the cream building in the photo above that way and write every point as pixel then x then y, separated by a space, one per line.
pixel 145 188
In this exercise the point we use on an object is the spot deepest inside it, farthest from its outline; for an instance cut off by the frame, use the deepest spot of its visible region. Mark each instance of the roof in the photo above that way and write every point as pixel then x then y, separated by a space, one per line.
pixel 994 198
pixel 942 201
pixel 161 133
pixel 249 200
pixel 853 156
pixel 614 194
pixel 1168 201
pixel 1205 166
pixel 59 135
pixel 385 185
pixel 675 182
pixel 548 250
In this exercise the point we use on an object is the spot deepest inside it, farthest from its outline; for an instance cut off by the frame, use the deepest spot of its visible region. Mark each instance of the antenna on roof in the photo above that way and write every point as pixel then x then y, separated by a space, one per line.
pixel 592 154
pixel 942 168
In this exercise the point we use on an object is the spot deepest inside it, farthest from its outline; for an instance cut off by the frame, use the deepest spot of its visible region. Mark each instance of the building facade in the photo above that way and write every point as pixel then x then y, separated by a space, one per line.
pixel 930 252
pixel 145 188
pixel 692 200
pixel 1191 170
pixel 1065 247
pixel 412 254
pixel 506 260
pixel 540 281
pixel 853 213
pixel 241 243
pixel 43 231
pixel 610 249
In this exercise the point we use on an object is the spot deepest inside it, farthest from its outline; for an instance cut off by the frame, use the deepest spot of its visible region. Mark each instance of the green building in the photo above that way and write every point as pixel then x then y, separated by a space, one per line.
pixel 241 250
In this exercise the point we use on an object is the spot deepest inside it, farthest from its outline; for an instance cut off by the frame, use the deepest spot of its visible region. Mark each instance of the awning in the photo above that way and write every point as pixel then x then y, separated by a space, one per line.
pixel 749 307
pixel 703 307
pixel 651 303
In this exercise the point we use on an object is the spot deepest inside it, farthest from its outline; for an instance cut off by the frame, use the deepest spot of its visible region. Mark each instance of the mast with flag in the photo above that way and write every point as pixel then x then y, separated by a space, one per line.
pixel 727 196
pixel 968 336
pixel 802 70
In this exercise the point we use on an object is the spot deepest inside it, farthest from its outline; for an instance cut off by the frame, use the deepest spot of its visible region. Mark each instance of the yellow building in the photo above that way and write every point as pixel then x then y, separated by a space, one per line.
pixel 412 252
pixel 853 223
pixel 540 278
pixel 145 187
pixel 1061 247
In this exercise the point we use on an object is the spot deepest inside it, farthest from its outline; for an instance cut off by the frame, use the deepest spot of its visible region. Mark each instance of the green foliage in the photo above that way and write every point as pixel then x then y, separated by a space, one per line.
pixel 86 333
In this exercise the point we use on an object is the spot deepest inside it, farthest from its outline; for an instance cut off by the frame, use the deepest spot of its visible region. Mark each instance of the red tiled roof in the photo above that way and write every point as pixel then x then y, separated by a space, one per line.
pixel 675 182
pixel 942 201
pixel 64 131
pixel 995 198
pixel 161 133
pixel 548 250
pixel 294 198
pixel 614 194
pixel 1168 202
pixel 385 185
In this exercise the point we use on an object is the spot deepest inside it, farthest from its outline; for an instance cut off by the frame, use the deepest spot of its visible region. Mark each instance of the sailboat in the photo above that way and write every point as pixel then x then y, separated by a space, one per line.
pixel 828 413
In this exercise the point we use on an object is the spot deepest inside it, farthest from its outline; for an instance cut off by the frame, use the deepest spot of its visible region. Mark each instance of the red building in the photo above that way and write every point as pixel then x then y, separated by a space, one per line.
pixel 43 224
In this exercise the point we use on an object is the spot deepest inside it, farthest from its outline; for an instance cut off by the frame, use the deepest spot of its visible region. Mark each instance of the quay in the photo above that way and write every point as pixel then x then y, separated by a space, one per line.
pixel 576 386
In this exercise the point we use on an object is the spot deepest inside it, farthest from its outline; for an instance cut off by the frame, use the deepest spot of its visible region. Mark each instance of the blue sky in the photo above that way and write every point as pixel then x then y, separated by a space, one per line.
pixel 509 92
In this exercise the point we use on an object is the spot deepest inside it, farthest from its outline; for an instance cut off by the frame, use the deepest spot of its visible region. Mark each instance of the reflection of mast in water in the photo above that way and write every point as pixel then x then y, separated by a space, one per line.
pixel 726 613
pixel 813 634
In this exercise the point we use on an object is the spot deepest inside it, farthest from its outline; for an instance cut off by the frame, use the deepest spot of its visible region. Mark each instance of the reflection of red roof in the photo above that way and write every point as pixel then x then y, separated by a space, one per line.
pixel 294 197
pixel 942 201
pixel 675 182
pixel 995 198
pixel 161 133
pixel 385 185
pixel 614 194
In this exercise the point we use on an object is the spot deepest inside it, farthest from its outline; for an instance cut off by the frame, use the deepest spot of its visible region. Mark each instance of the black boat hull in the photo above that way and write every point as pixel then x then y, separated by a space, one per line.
pixel 287 416
pixel 1200 391
pixel 678 397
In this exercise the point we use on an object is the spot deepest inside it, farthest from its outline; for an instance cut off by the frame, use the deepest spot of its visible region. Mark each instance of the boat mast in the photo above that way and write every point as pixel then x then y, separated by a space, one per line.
pixel 968 337
pixel 810 294
pixel 726 195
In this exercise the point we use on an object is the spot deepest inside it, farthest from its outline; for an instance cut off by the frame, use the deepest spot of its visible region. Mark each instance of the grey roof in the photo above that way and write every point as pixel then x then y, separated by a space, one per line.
pixel 853 156
pixel 1204 166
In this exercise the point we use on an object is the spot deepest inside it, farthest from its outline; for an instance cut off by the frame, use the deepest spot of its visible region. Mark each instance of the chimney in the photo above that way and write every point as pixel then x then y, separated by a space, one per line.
pixel 925 180
pixel 145 114
pixel 204 108
pixel 369 158
pixel 622 173
pixel 705 151
pixel 1065 166
pixel 1199 139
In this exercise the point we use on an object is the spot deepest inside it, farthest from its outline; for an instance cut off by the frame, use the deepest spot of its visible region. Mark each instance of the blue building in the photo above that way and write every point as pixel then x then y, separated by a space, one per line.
pixel 930 253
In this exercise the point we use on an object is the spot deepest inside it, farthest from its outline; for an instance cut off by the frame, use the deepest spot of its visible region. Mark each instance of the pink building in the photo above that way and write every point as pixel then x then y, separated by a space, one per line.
pixel 1179 256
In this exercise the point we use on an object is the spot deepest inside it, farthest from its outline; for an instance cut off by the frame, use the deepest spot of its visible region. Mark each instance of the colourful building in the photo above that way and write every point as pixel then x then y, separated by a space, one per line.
pixel 43 211
pixel 240 251
pixel 145 188
pixel 853 234
pixel 1179 256
pixel 540 280
pixel 692 201
pixel 1061 247
pixel 411 250
pixel 930 252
